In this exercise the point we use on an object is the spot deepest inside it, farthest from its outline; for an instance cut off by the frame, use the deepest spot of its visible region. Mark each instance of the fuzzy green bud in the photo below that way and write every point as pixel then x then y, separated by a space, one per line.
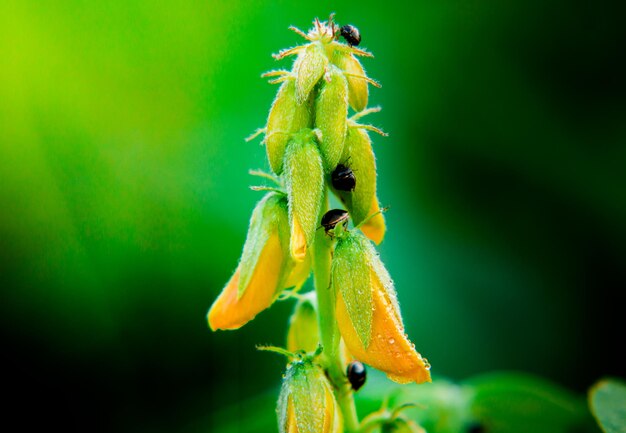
pixel 309 68
pixel 331 110
pixel 357 87
pixel 358 154
pixel 351 274
pixel 286 117
pixel 306 403
pixel 304 181
pixel 303 331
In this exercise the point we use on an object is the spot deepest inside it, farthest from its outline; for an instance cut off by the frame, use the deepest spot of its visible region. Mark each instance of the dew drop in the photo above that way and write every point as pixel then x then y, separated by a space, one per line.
pixel 392 341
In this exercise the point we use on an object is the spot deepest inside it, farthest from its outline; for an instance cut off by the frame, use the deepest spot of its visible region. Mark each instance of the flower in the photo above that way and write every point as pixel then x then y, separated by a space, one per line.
pixel 368 314
pixel 306 403
pixel 264 270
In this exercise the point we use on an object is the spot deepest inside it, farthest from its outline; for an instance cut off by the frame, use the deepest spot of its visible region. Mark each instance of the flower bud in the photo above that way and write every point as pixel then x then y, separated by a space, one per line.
pixel 362 202
pixel 304 181
pixel 309 68
pixel 286 117
pixel 303 331
pixel 368 314
pixel 357 87
pixel 264 270
pixel 307 403
pixel 331 111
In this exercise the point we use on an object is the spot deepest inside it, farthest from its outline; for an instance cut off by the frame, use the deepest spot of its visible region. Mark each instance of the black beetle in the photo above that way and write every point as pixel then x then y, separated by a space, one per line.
pixel 334 217
pixel 356 375
pixel 350 34
pixel 475 427
pixel 343 178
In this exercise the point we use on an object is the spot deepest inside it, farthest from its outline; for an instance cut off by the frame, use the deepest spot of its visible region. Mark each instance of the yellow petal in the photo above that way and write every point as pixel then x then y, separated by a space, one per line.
pixel 299 273
pixel 330 413
pixel 298 241
pixel 389 349
pixel 229 312
pixel 375 228
pixel 292 425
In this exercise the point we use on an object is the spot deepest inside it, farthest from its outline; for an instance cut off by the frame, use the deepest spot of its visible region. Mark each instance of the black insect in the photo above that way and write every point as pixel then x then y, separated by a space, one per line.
pixel 475 427
pixel 350 34
pixel 334 217
pixel 356 375
pixel 343 178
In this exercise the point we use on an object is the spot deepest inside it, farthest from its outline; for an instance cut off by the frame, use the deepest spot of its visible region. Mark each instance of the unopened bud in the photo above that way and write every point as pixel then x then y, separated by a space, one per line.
pixel 357 87
pixel 286 117
pixel 303 331
pixel 304 181
pixel 362 203
pixel 331 110
pixel 309 68
pixel 307 403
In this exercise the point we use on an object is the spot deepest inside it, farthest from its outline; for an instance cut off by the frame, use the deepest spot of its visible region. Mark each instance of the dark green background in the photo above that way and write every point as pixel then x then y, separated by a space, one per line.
pixel 124 195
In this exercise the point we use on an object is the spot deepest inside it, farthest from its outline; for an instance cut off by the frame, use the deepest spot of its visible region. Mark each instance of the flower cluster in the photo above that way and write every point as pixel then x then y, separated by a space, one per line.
pixel 313 147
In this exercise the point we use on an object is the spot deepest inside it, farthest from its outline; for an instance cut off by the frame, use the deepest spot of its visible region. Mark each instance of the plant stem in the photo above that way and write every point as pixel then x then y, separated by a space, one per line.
pixel 329 333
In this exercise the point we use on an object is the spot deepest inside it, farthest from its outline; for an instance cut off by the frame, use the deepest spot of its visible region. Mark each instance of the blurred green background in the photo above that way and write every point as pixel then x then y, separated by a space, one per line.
pixel 124 195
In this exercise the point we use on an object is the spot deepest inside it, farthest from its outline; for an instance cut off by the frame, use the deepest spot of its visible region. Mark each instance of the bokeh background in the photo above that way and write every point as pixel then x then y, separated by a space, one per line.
pixel 124 196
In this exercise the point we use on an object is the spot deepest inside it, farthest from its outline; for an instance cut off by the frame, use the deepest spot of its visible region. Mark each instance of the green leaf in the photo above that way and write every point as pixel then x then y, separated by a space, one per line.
pixel 521 403
pixel 607 400
pixel 351 276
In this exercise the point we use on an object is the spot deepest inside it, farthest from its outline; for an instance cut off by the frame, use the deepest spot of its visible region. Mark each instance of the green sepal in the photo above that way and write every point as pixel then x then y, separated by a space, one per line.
pixel 305 383
pixel 303 333
pixel 351 276
pixel 268 216
pixel 304 181
pixel 359 156
pixel 285 117
pixel 331 111
pixel 358 91
pixel 309 68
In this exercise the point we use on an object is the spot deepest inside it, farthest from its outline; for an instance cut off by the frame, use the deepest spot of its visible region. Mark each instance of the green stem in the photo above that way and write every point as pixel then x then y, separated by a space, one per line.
pixel 329 333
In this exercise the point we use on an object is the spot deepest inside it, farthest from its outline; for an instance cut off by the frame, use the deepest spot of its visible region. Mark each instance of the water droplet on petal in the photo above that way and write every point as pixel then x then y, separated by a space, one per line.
pixel 392 341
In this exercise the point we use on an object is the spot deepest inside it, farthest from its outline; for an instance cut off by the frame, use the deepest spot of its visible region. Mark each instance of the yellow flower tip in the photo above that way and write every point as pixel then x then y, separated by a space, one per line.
pixel 389 349
pixel 232 311
pixel 375 227
pixel 218 316
pixel 299 273
pixel 292 424
pixel 298 244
